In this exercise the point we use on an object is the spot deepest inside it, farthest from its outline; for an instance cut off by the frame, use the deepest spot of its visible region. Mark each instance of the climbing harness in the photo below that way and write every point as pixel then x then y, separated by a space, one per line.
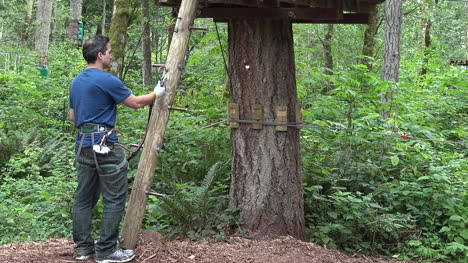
pixel 91 129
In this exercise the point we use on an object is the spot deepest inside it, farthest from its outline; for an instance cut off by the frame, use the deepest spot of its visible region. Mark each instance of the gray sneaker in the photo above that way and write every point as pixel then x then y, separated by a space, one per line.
pixel 84 257
pixel 120 255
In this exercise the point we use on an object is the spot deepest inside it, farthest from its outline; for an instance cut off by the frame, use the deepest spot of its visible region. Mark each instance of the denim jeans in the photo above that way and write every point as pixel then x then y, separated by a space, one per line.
pixel 108 179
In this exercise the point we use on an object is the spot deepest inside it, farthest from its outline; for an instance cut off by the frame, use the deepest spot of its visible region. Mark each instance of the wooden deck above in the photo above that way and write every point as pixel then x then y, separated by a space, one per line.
pixel 298 11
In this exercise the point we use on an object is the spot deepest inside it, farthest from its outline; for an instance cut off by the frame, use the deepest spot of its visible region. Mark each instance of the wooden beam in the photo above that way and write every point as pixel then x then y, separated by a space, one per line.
pixel 302 14
pixel 346 19
pixel 274 2
pixel 157 125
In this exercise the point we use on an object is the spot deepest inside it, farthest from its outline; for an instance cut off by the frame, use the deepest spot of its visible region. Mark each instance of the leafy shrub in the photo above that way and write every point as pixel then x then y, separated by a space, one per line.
pixel 195 211
pixel 35 208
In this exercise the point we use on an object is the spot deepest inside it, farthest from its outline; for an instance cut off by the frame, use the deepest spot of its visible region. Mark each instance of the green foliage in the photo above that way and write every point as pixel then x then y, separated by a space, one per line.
pixel 408 201
pixel 35 208
pixel 195 211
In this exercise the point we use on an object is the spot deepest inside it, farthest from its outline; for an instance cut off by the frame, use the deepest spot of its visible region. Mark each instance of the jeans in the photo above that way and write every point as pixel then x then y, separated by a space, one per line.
pixel 108 179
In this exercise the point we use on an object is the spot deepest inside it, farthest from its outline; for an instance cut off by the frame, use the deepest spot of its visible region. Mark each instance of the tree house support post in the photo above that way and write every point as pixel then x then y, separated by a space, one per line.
pixel 157 126
pixel 266 183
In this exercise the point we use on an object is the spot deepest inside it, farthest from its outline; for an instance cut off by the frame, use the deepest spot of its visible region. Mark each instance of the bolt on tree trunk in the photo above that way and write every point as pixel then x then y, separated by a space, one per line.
pixel 266 183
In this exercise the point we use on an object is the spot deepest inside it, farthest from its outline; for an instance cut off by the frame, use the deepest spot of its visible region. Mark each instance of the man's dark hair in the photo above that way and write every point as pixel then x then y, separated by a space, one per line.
pixel 93 46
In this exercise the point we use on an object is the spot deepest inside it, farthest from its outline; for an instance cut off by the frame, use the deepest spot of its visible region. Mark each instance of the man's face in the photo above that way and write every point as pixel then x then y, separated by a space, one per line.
pixel 107 57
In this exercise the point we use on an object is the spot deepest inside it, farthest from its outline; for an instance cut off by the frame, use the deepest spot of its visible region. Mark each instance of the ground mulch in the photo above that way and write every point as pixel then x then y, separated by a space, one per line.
pixel 153 248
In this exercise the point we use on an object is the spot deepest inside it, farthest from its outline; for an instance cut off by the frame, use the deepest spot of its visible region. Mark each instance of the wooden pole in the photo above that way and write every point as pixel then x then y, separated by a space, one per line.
pixel 157 126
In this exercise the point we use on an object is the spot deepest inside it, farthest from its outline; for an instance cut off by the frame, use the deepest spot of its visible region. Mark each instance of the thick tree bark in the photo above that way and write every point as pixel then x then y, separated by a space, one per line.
pixel 369 37
pixel 75 8
pixel 266 181
pixel 391 67
pixel 118 35
pixel 146 43
pixel 43 16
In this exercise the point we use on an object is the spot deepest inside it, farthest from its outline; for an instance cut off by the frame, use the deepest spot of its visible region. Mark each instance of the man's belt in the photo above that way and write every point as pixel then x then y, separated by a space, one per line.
pixel 92 127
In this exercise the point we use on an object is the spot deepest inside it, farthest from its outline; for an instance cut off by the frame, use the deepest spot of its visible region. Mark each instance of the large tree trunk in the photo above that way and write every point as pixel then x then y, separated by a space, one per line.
pixel 43 16
pixel 369 38
pixel 118 35
pixel 266 181
pixel 146 43
pixel 391 67
pixel 75 8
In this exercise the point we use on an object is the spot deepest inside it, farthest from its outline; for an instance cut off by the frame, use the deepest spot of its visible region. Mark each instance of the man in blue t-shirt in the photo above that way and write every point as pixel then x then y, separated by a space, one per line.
pixel 101 167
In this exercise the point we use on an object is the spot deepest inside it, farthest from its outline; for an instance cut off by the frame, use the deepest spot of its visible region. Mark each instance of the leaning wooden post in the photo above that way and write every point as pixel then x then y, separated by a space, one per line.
pixel 157 126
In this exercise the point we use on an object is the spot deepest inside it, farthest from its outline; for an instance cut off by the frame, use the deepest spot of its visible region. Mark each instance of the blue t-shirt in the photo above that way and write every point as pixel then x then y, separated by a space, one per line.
pixel 94 96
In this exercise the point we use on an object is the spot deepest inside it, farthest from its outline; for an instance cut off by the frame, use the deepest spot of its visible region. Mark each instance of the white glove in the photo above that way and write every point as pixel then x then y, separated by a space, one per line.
pixel 159 90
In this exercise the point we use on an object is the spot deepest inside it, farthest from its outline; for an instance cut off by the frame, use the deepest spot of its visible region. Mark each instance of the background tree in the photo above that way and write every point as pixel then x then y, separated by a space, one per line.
pixel 146 42
pixel 427 23
pixel 73 26
pixel 118 35
pixel 369 37
pixel 43 17
pixel 27 22
pixel 391 66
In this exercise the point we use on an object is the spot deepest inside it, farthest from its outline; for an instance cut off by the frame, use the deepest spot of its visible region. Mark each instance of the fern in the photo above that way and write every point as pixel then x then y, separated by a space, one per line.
pixel 28 153
pixel 198 211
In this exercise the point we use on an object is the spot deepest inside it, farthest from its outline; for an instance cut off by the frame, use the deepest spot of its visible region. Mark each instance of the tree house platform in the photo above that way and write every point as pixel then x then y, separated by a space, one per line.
pixel 297 11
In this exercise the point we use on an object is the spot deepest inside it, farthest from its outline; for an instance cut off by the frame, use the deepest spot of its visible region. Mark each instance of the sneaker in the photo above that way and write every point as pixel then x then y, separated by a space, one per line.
pixel 84 257
pixel 120 255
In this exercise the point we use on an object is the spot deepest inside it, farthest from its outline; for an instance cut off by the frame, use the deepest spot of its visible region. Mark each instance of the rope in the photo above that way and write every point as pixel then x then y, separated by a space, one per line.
pixel 406 137
pixel 223 55
pixel 202 128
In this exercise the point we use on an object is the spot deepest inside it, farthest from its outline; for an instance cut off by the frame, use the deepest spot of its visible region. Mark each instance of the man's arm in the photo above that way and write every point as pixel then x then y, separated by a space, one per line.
pixel 72 115
pixel 136 102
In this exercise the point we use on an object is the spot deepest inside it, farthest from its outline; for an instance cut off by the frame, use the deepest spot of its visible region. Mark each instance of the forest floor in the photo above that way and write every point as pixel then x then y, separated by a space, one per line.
pixel 153 248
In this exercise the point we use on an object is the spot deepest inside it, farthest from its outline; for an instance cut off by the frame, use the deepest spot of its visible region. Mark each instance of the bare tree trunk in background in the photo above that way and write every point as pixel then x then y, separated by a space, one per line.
pixel 25 34
pixel 104 15
pixel 118 35
pixel 1 26
pixel 391 66
pixel 75 8
pixel 427 38
pixel 327 54
pixel 327 50
pixel 146 42
pixel 369 38
pixel 43 16
pixel 266 184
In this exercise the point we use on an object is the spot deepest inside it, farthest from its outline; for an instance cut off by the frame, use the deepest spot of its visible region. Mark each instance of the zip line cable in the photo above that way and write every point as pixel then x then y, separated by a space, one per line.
pixel 320 127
